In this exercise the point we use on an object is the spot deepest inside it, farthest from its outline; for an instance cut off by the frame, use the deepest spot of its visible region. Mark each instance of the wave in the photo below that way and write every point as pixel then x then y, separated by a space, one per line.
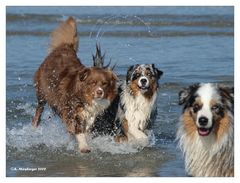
pixel 127 33
pixel 31 17
pixel 148 19
pixel 148 25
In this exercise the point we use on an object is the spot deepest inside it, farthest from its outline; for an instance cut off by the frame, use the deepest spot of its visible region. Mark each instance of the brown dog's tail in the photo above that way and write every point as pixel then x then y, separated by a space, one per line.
pixel 66 33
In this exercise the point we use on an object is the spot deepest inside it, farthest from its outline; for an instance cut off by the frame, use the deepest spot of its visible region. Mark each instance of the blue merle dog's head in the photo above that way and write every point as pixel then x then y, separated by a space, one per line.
pixel 143 78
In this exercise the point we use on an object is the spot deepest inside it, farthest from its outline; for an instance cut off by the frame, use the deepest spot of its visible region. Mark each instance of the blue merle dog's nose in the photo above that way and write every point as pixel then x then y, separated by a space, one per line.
pixel 143 81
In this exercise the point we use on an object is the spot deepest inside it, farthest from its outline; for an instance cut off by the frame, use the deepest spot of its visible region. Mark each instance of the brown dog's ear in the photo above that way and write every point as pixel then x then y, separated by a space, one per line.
pixel 84 74
pixel 114 76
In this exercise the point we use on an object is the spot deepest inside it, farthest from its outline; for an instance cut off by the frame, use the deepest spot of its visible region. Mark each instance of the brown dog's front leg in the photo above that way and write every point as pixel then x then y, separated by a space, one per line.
pixel 38 113
pixel 80 133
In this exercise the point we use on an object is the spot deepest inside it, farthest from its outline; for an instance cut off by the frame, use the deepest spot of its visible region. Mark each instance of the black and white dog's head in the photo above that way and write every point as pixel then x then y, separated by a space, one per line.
pixel 143 78
pixel 206 107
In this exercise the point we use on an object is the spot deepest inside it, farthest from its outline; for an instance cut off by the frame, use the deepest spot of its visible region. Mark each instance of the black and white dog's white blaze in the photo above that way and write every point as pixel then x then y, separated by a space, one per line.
pixel 206 129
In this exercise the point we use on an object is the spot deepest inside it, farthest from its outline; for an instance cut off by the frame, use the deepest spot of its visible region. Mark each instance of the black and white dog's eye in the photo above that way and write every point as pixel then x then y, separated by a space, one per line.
pixel 215 107
pixel 196 108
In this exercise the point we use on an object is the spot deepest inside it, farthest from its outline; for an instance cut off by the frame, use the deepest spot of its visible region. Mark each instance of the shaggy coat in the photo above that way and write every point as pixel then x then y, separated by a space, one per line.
pixel 76 93
pixel 206 129
pixel 137 102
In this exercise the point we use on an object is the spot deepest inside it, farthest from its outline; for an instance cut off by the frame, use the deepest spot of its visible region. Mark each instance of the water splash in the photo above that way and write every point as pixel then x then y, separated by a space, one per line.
pixel 100 22
pixel 50 132
pixel 107 144
pixel 53 134
pixel 105 20
pixel 27 108
pixel 145 24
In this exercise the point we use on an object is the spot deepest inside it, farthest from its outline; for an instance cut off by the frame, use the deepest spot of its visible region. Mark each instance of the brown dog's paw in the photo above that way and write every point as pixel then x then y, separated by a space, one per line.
pixel 85 150
pixel 120 138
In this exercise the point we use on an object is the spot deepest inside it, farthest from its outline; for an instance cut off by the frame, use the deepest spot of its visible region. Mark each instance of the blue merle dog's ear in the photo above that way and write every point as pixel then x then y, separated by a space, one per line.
pixel 186 93
pixel 129 73
pixel 158 72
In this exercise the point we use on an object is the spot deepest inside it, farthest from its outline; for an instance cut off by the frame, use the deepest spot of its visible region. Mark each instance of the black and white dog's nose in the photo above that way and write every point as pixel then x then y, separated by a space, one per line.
pixel 203 121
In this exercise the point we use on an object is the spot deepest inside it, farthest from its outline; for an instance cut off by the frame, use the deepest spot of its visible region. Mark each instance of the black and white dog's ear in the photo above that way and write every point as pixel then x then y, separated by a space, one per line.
pixel 129 73
pixel 227 92
pixel 183 95
pixel 186 93
pixel 158 72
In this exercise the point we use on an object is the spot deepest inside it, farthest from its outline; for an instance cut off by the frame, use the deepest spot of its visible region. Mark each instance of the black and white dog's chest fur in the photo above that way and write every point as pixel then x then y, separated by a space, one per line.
pixel 206 129
pixel 137 101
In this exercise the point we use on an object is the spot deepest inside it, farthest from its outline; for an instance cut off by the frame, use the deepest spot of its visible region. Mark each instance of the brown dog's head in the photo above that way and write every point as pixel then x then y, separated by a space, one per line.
pixel 97 84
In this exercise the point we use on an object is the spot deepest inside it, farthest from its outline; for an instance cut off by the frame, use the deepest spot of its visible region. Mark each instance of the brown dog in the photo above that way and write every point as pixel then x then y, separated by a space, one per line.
pixel 76 93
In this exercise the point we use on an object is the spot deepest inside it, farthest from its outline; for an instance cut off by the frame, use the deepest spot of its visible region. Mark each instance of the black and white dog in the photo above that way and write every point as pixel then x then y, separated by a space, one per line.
pixel 129 114
pixel 206 129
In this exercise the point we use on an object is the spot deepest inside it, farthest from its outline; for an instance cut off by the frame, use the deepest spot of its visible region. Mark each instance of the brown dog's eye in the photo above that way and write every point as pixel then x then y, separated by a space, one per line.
pixel 104 83
pixel 93 83
pixel 196 108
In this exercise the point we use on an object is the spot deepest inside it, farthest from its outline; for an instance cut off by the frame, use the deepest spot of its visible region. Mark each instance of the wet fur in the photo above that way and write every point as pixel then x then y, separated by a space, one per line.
pixel 69 87
pixel 134 113
pixel 129 115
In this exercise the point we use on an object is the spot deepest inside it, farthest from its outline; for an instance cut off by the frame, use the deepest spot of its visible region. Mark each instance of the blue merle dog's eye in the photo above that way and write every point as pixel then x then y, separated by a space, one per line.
pixel 136 75
pixel 149 74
